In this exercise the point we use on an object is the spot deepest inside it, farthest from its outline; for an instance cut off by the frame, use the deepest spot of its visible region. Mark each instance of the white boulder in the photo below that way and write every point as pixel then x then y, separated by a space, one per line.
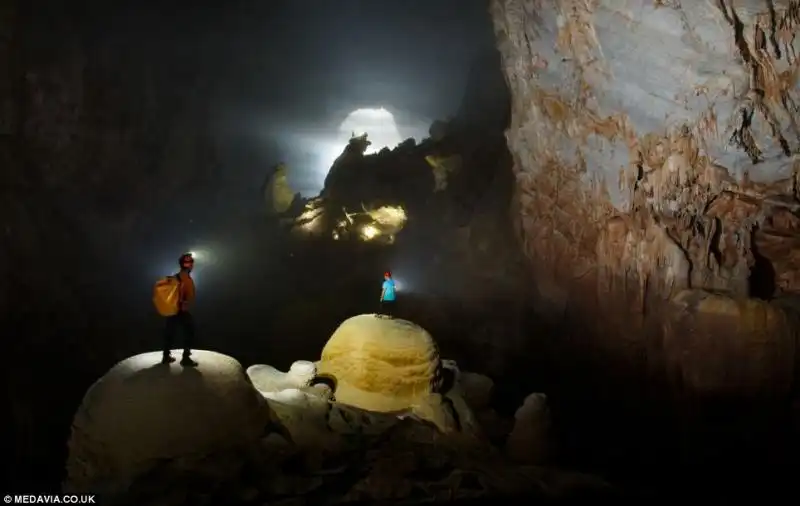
pixel 268 379
pixel 141 413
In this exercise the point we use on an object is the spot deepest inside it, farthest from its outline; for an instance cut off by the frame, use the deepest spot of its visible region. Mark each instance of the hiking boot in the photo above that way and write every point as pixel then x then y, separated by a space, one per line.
pixel 188 362
pixel 167 359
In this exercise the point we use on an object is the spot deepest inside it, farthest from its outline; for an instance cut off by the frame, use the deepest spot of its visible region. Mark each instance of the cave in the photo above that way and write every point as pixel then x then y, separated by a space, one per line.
pixel 761 283
pixel 600 223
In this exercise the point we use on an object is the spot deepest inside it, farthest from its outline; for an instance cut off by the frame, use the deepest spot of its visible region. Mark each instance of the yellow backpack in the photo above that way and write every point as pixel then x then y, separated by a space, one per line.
pixel 167 295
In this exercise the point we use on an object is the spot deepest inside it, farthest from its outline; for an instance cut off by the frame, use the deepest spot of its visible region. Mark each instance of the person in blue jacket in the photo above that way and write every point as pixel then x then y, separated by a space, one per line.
pixel 388 296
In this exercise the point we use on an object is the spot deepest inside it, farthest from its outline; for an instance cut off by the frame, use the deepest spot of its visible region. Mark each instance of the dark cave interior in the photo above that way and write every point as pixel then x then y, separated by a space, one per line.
pixel 117 161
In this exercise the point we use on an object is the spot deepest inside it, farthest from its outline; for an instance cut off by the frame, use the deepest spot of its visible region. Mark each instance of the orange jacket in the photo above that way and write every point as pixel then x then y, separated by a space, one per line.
pixel 187 290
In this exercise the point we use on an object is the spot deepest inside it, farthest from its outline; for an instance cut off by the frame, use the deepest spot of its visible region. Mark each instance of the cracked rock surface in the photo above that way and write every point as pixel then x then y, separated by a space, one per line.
pixel 654 147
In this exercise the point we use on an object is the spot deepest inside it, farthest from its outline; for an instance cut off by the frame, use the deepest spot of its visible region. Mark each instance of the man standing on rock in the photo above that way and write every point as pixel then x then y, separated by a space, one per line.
pixel 388 296
pixel 183 319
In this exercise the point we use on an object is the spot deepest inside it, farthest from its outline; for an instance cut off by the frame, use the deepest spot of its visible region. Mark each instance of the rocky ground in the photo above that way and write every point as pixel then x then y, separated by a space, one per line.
pixel 285 443
pixel 406 462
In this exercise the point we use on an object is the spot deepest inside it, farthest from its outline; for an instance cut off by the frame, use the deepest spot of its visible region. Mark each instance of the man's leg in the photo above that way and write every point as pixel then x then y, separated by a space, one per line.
pixel 188 339
pixel 170 326
pixel 390 308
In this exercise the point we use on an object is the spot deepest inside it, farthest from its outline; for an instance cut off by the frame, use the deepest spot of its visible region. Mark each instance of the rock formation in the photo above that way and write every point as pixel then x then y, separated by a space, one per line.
pixel 278 194
pixel 386 365
pixel 267 379
pixel 530 440
pixel 654 150
pixel 142 412
pixel 149 433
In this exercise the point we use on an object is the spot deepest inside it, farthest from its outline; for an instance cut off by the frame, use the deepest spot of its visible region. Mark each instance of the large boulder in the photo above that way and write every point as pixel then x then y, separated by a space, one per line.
pixel 381 364
pixel 142 413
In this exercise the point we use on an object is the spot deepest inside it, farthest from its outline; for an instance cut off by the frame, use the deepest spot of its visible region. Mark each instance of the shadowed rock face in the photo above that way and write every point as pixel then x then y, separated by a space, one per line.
pixel 653 147
pixel 86 129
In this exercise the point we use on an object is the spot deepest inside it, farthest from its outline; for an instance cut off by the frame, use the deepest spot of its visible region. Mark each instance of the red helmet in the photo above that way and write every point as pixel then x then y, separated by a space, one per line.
pixel 387 274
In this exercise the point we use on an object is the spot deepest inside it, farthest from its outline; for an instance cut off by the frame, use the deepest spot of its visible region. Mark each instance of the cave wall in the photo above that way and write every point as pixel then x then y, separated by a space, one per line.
pixel 96 135
pixel 654 150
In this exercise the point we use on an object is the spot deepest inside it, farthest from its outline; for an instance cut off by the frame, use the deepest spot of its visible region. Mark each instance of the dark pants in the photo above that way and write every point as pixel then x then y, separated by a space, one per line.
pixel 388 307
pixel 185 323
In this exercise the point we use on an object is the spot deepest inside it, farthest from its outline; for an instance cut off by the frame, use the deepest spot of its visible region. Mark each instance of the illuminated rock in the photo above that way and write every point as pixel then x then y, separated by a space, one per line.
pixel 311 221
pixel 141 413
pixel 381 364
pixel 278 194
pixel 379 224
pixel 654 151
pixel 387 365
pixel 267 379
pixel 442 167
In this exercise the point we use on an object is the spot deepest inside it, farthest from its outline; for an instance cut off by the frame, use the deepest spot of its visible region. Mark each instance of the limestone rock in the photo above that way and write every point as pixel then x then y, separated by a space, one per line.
pixel 719 344
pixel 529 441
pixel 141 413
pixel 442 167
pixel 654 149
pixel 381 364
pixel 278 194
pixel 302 415
pixel 268 379
pixel 454 412
pixel 321 391
pixel 477 388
